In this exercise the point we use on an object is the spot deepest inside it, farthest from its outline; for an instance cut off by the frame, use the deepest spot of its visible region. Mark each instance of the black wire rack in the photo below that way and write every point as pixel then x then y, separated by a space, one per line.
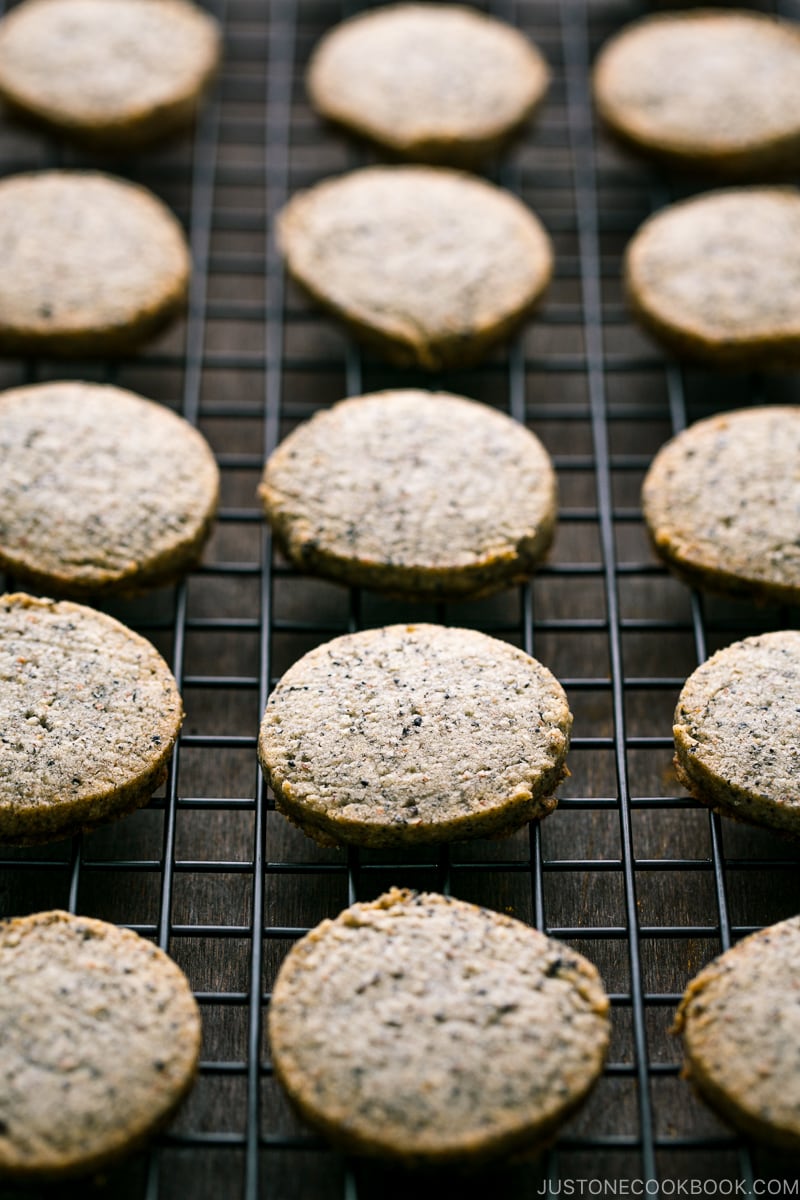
pixel 628 869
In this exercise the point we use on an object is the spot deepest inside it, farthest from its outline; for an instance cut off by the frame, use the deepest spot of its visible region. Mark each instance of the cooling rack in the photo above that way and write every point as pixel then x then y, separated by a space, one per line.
pixel 628 869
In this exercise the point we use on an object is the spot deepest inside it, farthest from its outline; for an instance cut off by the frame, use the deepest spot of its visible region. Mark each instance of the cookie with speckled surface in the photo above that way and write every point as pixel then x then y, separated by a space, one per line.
pixel 91 264
pixel 428 265
pixel 425 1029
pixel 737 730
pixel 740 1021
pixel 444 497
pixel 100 490
pixel 101 1041
pixel 89 713
pixel 721 501
pixel 431 82
pixel 414 733
pixel 705 88
pixel 116 75
pixel 717 277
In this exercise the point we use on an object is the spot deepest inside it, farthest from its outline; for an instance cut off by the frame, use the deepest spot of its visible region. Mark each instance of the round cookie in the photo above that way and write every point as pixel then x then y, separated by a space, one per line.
pixel 116 75
pixel 425 1029
pixel 736 730
pixel 89 713
pixel 740 1022
pixel 711 89
pixel 414 493
pixel 91 264
pixel 414 733
pixel 717 277
pixel 100 490
pixel 721 501
pixel 430 266
pixel 431 82
pixel 101 1041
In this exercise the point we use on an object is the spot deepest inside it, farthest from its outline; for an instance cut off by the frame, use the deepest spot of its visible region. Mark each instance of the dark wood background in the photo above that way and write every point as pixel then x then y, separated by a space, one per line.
pixel 627 869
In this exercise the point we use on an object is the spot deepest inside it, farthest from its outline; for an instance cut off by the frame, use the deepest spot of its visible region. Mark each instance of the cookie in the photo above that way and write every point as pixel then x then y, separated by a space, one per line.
pixel 428 265
pixel 414 733
pixel 740 1022
pixel 89 713
pixel 91 264
pixel 100 490
pixel 430 82
pixel 443 497
pixel 721 502
pixel 711 89
pixel 736 731
pixel 116 75
pixel 425 1029
pixel 101 1041
pixel 717 277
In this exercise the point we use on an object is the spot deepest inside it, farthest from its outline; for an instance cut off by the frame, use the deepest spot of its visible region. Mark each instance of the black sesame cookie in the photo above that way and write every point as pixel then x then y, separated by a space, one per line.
pixel 740 1021
pixel 737 731
pixel 706 88
pixel 91 264
pixel 100 490
pixel 430 82
pixel 428 265
pixel 721 503
pixel 89 713
pixel 414 733
pixel 425 1029
pixel 116 75
pixel 101 1041
pixel 444 497
pixel 717 277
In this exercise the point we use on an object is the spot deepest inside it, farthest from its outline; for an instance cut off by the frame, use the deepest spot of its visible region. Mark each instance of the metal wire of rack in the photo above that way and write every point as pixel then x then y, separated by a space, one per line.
pixel 628 870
